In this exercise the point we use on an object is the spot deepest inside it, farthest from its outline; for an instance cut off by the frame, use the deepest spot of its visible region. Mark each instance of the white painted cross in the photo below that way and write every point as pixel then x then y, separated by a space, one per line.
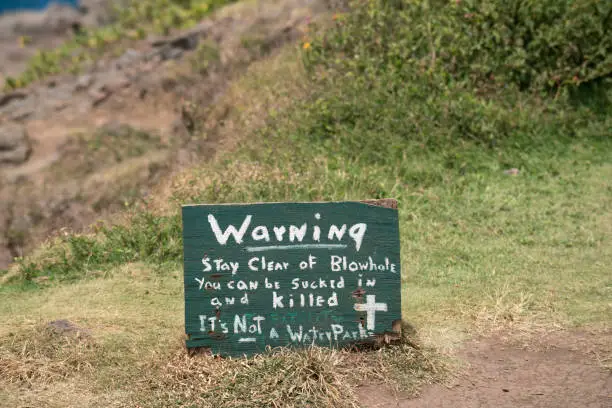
pixel 371 307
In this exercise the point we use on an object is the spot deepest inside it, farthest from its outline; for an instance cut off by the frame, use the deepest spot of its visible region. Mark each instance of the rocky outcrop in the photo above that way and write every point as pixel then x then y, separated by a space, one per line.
pixel 44 30
pixel 14 144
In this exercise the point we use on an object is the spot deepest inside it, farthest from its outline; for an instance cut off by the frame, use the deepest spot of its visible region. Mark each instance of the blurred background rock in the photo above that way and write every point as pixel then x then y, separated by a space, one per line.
pixel 29 25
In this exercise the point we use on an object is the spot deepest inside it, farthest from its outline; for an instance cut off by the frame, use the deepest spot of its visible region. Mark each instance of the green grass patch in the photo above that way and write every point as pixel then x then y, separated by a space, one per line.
pixel 149 238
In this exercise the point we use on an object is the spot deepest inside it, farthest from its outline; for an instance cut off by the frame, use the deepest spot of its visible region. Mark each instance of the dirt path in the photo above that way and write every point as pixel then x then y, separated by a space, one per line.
pixel 560 370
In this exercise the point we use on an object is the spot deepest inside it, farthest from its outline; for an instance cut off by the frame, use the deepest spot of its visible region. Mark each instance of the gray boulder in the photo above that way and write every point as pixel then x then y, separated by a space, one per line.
pixel 56 19
pixel 15 144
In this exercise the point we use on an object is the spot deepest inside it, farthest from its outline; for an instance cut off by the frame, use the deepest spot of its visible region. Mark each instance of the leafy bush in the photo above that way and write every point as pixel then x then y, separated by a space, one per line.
pixel 438 72
pixel 533 44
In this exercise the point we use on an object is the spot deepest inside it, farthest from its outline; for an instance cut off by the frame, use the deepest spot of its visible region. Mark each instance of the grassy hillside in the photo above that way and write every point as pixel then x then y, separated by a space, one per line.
pixel 489 121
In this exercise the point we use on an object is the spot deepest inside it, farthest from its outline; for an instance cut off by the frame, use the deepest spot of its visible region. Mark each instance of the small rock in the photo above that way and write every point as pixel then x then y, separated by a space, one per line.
pixel 171 53
pixel 66 327
pixel 15 145
pixel 111 81
pixel 6 98
pixel 21 114
pixel 97 97
pixel 56 19
pixel 512 172
pixel 83 82
pixel 186 41
pixel 61 92
pixel 106 84
pixel 128 58
pixel 16 104
pixel 173 47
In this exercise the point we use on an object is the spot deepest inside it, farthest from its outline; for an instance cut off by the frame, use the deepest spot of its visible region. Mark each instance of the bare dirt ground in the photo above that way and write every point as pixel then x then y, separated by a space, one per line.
pixel 565 369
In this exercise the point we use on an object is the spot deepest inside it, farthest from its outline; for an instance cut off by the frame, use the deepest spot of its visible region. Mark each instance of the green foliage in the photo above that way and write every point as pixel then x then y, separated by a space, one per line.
pixel 419 71
pixel 164 15
pixel 489 44
pixel 147 238
pixel 133 21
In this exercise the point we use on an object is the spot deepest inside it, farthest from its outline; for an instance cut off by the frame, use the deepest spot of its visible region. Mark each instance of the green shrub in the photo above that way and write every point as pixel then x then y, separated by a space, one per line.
pixel 441 72
pixel 147 238
pixel 532 44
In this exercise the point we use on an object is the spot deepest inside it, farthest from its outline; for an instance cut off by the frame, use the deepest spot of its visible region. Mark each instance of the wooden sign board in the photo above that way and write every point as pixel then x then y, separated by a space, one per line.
pixel 290 274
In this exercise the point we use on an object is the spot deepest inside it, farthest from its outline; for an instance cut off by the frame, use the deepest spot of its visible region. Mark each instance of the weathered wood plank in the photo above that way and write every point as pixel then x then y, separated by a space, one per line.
pixel 290 274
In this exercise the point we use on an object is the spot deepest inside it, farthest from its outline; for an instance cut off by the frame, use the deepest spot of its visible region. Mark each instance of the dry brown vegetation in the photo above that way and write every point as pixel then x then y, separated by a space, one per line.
pixel 41 354
pixel 131 351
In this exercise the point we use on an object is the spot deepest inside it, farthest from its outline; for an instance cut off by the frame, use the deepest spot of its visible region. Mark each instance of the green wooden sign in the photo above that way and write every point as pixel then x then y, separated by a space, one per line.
pixel 290 274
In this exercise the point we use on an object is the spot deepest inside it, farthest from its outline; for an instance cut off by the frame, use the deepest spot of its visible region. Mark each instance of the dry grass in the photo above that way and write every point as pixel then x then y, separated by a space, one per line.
pixel 317 377
pixel 42 355
pixel 313 376
pixel 134 354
